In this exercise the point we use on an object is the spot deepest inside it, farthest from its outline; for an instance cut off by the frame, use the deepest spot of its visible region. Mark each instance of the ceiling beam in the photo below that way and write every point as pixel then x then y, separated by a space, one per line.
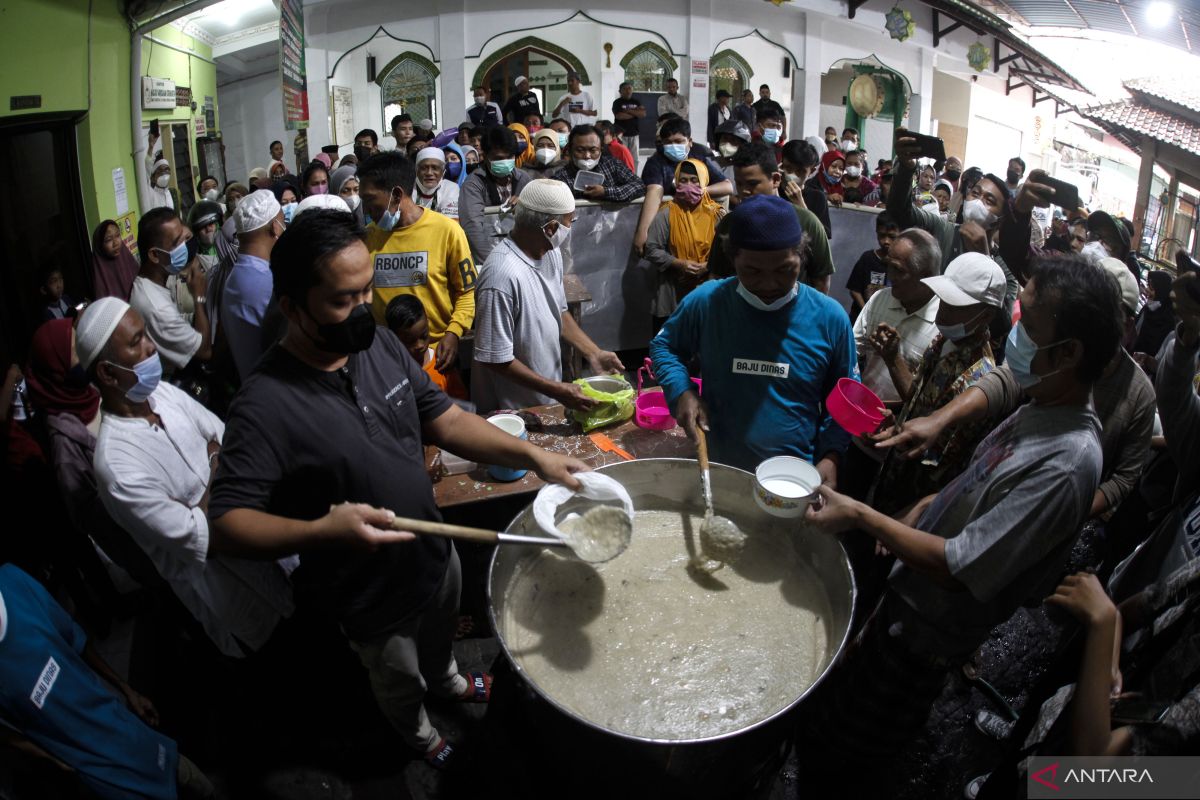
pixel 939 32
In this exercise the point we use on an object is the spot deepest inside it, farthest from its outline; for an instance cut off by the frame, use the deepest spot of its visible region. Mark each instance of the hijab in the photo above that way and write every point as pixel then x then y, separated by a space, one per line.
pixel 462 160
pixel 526 155
pixel 826 160
pixel 53 386
pixel 112 277
pixel 693 229
pixel 287 182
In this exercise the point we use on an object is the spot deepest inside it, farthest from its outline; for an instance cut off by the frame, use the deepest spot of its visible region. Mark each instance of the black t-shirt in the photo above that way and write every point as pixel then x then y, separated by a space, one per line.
pixel 299 440
pixel 629 127
pixel 868 271
pixel 520 106
pixel 761 106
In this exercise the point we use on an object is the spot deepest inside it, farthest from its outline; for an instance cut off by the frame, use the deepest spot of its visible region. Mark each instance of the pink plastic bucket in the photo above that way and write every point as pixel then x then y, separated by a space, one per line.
pixel 650 409
pixel 855 407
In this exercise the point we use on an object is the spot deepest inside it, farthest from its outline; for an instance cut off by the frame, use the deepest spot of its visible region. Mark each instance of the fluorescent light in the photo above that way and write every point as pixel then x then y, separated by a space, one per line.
pixel 1160 13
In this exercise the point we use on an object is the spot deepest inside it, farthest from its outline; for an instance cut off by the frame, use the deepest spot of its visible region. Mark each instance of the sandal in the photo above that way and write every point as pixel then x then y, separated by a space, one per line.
pixel 441 756
pixel 479 688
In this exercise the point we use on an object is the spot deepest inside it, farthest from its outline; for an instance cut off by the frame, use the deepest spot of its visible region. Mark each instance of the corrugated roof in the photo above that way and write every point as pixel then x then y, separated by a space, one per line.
pixel 1130 120
pixel 1127 17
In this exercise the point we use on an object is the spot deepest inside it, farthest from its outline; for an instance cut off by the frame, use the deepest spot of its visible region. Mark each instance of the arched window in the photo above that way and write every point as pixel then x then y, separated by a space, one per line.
pixel 648 66
pixel 730 72
pixel 408 86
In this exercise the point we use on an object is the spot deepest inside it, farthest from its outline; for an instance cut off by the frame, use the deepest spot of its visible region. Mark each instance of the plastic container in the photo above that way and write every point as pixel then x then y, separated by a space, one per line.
pixel 650 408
pixel 855 407
pixel 784 486
pixel 514 425
pixel 585 178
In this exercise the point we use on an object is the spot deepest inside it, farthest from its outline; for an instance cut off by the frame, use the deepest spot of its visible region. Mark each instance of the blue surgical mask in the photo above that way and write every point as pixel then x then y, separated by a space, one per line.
pixel 756 302
pixel 149 373
pixel 502 168
pixel 954 333
pixel 675 152
pixel 289 211
pixel 832 179
pixel 562 140
pixel 1019 355
pixel 771 135
pixel 179 258
pixel 389 218
pixel 453 170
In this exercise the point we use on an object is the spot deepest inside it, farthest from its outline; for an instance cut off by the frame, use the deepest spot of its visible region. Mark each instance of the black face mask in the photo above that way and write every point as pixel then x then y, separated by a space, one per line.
pixel 1013 176
pixel 76 377
pixel 953 174
pixel 471 167
pixel 362 152
pixel 352 335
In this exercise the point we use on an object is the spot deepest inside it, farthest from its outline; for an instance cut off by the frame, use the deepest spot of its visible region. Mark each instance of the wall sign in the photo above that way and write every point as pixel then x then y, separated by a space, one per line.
pixel 292 75
pixel 201 129
pixel 183 96
pixel 699 66
pixel 158 93
pixel 210 113
pixel 343 115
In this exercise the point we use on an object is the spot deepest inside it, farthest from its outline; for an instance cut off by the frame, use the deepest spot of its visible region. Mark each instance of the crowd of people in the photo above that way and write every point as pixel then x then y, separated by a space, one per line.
pixel 237 414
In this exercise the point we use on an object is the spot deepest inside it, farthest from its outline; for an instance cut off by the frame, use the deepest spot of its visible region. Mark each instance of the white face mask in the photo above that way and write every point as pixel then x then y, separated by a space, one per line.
pixel 976 211
pixel 853 172
pixel 354 201
pixel 586 163
pixel 1094 252
pixel 546 156
pixel 848 145
pixel 756 302
pixel 479 99
pixel 211 195
pixel 162 181
pixel 728 149
pixel 955 333
pixel 560 236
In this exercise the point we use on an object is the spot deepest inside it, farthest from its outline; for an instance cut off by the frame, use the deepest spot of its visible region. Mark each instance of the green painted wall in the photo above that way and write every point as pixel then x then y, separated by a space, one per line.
pixel 44 50
pixel 186 70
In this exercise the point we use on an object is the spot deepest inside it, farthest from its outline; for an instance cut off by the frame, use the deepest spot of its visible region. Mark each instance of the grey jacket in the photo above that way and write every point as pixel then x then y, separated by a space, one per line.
pixel 484 232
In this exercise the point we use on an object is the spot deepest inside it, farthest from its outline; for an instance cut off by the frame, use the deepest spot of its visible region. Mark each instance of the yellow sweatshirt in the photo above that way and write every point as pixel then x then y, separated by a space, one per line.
pixel 432 260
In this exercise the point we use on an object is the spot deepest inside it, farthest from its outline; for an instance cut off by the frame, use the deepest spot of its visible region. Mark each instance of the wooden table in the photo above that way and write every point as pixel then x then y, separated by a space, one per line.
pixel 566 437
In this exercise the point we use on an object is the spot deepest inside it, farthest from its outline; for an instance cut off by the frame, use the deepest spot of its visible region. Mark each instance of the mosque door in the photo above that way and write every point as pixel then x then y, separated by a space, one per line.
pixel 547 77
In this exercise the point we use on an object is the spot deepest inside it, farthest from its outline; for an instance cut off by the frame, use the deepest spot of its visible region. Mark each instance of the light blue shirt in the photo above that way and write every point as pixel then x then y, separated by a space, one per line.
pixel 766 373
pixel 243 306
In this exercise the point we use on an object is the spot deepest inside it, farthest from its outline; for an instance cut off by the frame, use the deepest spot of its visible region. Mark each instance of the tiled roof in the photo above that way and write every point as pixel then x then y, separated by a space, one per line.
pixel 1177 91
pixel 1130 120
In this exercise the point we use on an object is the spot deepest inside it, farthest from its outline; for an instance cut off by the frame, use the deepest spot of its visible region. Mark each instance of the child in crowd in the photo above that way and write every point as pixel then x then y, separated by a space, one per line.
pixel 406 318
pixel 870 272
pixel 58 304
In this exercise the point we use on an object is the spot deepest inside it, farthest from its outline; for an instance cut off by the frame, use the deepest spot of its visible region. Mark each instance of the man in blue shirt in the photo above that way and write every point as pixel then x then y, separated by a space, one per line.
pixel 770 349
pixel 259 222
pixel 52 704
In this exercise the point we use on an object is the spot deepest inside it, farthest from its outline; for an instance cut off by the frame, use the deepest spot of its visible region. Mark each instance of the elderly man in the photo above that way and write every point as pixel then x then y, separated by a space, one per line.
pixel 259 222
pixel 997 537
pixel 521 103
pixel 431 189
pixel 586 153
pixel 417 251
pixel 672 102
pixel 770 348
pixel 155 458
pixel 902 314
pixel 166 248
pixel 970 293
pixel 521 311
pixel 326 448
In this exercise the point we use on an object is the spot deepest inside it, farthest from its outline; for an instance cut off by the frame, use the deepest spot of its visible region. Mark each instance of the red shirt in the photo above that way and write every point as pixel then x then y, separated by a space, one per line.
pixel 621 153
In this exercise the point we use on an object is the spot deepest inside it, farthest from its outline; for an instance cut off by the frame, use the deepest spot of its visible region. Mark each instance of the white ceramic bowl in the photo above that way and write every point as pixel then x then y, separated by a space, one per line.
pixel 784 486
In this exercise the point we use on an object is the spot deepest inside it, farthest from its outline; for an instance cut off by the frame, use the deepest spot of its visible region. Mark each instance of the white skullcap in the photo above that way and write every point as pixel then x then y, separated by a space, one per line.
pixel 425 124
pixel 517 82
pixel 548 197
pixel 96 325
pixel 426 153
pixel 254 211
pixel 328 201
pixel 162 162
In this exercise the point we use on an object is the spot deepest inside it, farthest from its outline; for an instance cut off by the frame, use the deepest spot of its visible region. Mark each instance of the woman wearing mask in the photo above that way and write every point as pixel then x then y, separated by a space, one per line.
pixel 563 129
pixel 855 184
pixel 470 157
pixel 524 145
pixel 679 239
pixel 547 156
pixel 431 189
pixel 344 183
pixel 113 266
pixel 287 192
pixel 456 167
pixel 829 177
pixel 315 179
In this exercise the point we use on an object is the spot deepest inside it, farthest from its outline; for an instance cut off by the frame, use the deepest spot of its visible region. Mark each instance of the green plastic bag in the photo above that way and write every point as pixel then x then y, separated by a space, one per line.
pixel 615 406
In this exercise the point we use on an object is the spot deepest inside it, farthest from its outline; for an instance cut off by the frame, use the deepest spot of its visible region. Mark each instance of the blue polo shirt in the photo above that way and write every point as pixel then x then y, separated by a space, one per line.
pixel 50 695
pixel 766 373
pixel 243 307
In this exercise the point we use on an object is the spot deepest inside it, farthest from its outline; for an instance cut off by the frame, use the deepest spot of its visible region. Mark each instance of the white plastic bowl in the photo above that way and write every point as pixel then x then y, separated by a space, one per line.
pixel 784 486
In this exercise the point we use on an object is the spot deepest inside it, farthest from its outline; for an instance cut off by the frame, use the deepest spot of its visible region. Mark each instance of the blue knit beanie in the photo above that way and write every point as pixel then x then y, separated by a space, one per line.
pixel 765 222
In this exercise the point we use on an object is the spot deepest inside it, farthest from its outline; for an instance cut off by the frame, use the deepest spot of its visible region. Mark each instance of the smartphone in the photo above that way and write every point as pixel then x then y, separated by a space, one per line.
pixel 1066 195
pixel 154 128
pixel 931 147
pixel 1139 711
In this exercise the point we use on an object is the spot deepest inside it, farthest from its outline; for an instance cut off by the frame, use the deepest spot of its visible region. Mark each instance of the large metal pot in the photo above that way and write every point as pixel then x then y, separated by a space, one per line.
pixel 731 764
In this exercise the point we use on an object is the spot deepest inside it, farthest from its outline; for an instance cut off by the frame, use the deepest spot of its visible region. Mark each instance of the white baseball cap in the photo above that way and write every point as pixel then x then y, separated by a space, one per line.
pixel 969 279
pixel 95 327
pixel 327 201
pixel 255 210
pixel 1130 294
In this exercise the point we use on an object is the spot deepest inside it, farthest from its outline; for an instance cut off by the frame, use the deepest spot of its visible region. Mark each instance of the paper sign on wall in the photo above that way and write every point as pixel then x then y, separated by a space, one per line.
pixel 699 66
pixel 127 226
pixel 158 93
pixel 118 178
pixel 343 115
pixel 201 128
pixel 700 82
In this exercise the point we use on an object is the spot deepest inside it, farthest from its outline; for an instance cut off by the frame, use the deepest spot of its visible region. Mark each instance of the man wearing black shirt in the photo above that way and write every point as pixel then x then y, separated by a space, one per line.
pixel 768 106
pixel 324 447
pixel 521 104
pixel 628 112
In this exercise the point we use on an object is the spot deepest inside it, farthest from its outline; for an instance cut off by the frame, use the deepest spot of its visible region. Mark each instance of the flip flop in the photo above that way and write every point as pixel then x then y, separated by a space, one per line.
pixel 441 756
pixel 480 686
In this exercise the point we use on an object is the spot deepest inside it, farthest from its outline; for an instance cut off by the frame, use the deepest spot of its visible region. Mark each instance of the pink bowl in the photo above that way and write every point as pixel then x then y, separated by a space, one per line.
pixel 651 412
pixel 855 407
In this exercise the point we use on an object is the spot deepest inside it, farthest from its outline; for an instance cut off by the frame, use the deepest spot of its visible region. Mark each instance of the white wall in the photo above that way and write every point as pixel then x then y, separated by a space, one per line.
pixel 251 118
